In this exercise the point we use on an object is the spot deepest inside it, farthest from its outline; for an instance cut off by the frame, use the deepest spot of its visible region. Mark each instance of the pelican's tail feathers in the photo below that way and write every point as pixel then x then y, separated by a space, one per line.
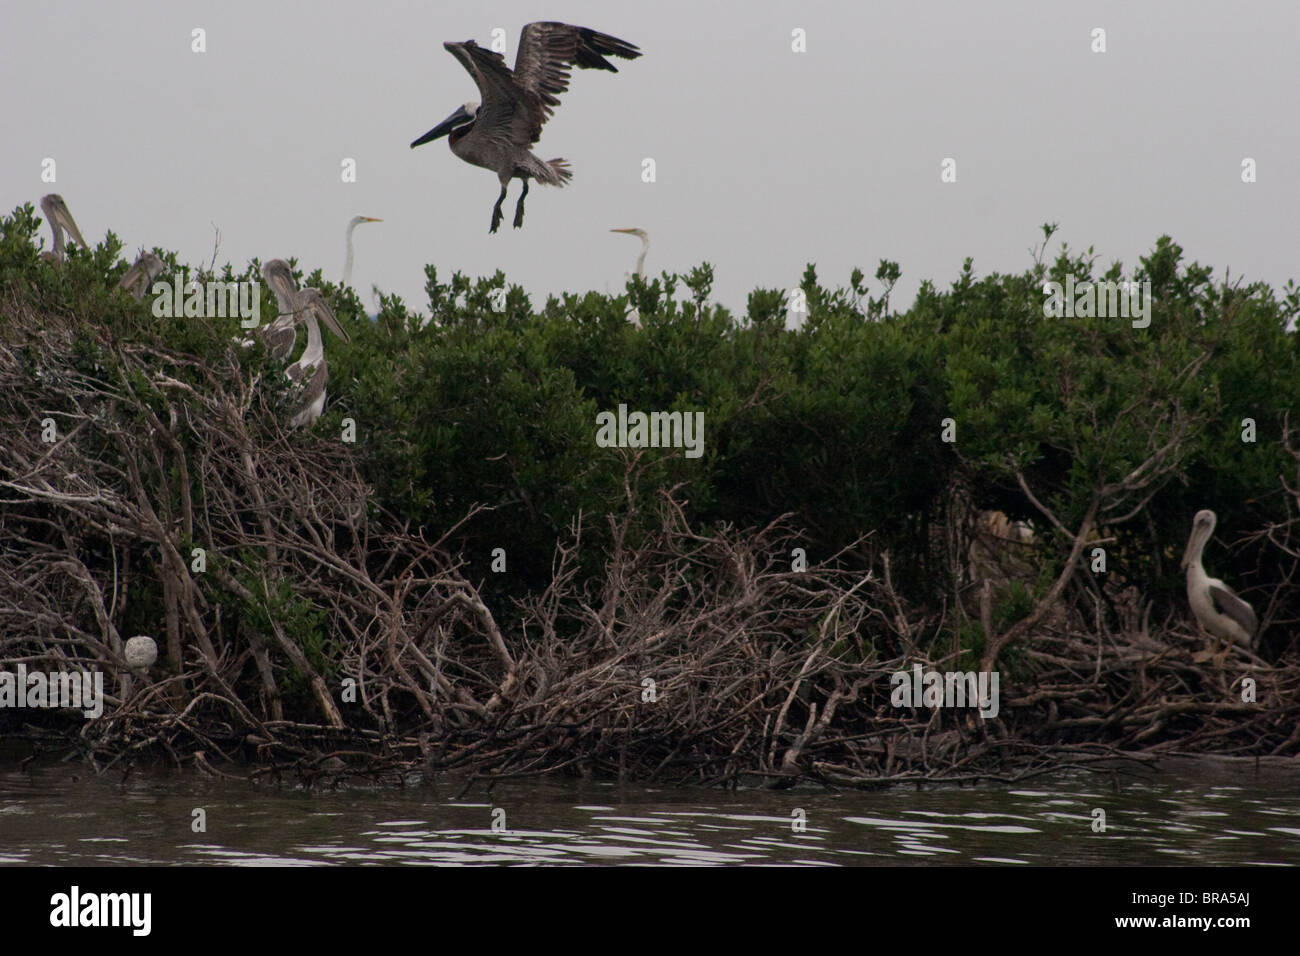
pixel 560 171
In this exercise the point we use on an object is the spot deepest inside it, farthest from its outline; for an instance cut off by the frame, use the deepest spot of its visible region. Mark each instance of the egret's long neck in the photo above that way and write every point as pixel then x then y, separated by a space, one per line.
pixel 640 260
pixel 347 262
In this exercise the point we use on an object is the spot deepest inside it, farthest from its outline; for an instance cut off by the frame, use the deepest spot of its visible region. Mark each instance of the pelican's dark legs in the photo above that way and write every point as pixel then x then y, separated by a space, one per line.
pixel 519 206
pixel 496 210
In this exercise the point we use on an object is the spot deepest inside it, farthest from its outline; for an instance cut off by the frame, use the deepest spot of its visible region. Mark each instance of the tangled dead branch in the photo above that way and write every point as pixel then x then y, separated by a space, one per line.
pixel 305 630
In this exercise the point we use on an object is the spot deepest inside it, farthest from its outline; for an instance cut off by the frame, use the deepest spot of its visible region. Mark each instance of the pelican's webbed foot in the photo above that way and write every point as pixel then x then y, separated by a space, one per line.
pixel 496 210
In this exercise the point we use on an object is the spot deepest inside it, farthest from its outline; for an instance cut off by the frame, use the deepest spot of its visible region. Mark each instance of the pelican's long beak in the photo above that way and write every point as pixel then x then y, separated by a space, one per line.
pixel 371 219
pixel 1192 543
pixel 445 127
pixel 630 232
pixel 326 315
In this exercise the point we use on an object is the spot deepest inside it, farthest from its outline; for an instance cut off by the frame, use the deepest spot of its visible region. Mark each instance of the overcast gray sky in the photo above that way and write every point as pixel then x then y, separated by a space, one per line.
pixel 766 159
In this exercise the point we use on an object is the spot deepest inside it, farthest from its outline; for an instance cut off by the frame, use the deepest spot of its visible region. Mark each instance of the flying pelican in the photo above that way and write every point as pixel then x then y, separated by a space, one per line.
pixel 347 263
pixel 1217 608
pixel 61 221
pixel 516 103
pixel 140 276
pixel 311 369
pixel 280 334
pixel 644 236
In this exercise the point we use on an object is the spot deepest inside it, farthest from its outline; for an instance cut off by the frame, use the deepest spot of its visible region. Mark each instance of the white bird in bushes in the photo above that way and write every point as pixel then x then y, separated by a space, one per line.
pixel 644 236
pixel 347 261
pixel 1217 608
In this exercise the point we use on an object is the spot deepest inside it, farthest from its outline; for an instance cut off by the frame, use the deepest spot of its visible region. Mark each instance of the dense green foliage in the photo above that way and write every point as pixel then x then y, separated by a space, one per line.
pixel 839 422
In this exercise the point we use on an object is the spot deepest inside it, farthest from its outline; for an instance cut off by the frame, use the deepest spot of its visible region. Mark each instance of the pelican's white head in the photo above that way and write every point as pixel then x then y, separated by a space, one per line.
pixel 457 123
pixel 1202 528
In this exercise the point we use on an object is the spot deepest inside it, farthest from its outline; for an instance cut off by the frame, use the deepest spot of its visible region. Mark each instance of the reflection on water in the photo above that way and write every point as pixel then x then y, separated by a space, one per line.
pixel 61 816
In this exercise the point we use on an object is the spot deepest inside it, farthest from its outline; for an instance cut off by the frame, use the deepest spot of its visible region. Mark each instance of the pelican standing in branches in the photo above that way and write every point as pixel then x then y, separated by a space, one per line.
pixel 61 221
pixel 139 278
pixel 1217 608
pixel 516 103
pixel 280 334
pixel 347 262
pixel 644 236
pixel 311 370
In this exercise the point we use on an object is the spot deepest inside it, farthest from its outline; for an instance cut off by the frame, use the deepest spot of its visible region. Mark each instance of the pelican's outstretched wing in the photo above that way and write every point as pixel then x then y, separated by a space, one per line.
pixel 1228 604
pixel 504 112
pixel 516 104
pixel 546 52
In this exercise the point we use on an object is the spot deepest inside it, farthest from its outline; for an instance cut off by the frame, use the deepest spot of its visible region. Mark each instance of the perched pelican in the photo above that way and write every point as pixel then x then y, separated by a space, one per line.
pixel 644 236
pixel 516 103
pixel 347 263
pixel 1217 608
pixel 311 370
pixel 280 334
pixel 61 221
pixel 140 276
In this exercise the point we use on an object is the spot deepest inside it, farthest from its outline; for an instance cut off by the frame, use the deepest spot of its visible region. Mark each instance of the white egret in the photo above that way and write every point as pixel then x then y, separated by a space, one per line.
pixel 347 262
pixel 644 236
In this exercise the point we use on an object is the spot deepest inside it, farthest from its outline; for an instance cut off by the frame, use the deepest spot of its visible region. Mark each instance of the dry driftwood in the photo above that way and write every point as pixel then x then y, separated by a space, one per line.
pixel 698 655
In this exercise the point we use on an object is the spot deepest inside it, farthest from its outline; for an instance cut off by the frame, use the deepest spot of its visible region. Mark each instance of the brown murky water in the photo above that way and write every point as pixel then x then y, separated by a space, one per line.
pixel 64 815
